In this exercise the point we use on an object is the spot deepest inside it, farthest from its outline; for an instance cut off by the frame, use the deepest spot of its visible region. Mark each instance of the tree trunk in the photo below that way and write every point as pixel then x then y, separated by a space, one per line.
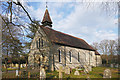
pixel 6 66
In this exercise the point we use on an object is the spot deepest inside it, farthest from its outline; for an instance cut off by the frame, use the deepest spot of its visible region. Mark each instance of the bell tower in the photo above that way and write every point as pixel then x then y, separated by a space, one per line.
pixel 46 22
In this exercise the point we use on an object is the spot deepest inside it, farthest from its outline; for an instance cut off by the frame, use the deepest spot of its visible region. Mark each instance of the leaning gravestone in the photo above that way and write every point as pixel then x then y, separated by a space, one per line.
pixel 67 70
pixel 42 73
pixel 76 72
pixel 107 73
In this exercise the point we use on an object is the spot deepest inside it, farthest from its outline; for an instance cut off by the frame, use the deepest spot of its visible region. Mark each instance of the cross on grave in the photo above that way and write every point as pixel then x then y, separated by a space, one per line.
pixel 67 70
pixel 85 69
pixel 60 71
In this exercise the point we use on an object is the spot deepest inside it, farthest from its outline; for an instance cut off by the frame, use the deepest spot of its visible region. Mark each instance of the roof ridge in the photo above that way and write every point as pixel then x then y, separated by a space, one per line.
pixel 65 34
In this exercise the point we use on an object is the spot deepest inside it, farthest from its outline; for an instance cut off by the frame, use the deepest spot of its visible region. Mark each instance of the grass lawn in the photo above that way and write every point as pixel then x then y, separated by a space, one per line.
pixel 97 72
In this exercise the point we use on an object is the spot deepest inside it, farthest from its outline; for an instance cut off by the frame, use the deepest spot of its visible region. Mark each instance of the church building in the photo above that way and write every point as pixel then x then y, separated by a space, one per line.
pixel 53 49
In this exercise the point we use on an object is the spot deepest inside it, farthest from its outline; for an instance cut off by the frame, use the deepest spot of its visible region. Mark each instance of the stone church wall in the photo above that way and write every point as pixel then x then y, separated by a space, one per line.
pixel 98 60
pixel 86 57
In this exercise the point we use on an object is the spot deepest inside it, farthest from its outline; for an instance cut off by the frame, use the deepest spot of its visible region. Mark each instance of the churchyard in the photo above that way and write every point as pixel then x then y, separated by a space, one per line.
pixel 96 72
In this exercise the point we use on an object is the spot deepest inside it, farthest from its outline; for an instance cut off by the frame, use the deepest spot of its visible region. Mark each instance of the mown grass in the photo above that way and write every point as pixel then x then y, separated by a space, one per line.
pixel 97 72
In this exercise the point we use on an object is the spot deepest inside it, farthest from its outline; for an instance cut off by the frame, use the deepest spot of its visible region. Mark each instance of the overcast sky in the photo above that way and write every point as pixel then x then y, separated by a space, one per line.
pixel 92 24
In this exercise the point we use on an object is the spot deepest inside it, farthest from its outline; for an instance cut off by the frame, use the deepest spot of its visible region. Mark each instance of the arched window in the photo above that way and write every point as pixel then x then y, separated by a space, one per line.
pixel 59 55
pixel 37 44
pixel 42 42
pixel 78 57
pixel 70 56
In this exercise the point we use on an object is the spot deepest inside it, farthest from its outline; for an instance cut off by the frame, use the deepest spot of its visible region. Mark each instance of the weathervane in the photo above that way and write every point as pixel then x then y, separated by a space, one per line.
pixel 46 5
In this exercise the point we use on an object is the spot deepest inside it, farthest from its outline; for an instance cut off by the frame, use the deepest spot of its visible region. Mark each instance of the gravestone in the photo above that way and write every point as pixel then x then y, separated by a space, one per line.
pixel 12 65
pixel 21 66
pixel 76 72
pixel 117 65
pixel 17 73
pixel 16 65
pixel 60 71
pixel 67 70
pixel 111 65
pixel 89 68
pixel 42 73
pixel 85 69
pixel 107 73
pixel 24 65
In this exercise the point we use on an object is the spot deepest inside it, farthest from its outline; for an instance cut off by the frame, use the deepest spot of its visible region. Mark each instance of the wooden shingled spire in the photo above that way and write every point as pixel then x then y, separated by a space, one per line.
pixel 46 19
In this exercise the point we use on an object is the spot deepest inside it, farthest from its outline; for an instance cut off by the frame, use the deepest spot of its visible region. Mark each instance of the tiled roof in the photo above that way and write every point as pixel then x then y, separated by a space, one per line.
pixel 65 39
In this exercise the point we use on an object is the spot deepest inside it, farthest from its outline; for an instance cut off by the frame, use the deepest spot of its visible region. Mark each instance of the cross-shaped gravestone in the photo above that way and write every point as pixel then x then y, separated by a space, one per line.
pixel 107 73
pixel 76 72
pixel 60 71
pixel 67 70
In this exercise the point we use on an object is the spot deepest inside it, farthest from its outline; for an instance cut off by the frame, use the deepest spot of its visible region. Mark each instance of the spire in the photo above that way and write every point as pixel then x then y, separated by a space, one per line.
pixel 46 19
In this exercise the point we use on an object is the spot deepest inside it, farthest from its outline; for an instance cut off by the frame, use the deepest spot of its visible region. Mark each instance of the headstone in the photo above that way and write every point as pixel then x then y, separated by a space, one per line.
pixel 107 73
pixel 24 65
pixel 89 68
pixel 12 65
pixel 85 69
pixel 67 70
pixel 117 65
pixel 111 65
pixel 76 72
pixel 21 65
pixel 42 73
pixel 16 65
pixel 60 71
pixel 17 73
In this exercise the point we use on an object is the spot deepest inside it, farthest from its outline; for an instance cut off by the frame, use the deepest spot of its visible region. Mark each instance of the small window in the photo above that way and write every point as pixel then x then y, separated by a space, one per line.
pixel 59 55
pixel 78 57
pixel 42 42
pixel 70 56
pixel 39 42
